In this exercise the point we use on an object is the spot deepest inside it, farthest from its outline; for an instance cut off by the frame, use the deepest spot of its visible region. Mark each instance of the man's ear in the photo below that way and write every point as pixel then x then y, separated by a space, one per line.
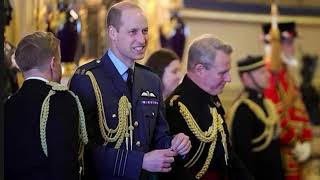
pixel 245 77
pixel 112 31
pixel 52 62
pixel 199 69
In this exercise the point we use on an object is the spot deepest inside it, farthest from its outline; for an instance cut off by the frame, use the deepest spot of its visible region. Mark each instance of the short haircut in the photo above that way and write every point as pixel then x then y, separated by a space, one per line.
pixel 115 12
pixel 34 50
pixel 160 59
pixel 203 50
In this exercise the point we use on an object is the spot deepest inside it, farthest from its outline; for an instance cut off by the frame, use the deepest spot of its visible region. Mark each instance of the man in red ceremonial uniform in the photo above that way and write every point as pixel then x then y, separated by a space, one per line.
pixel 296 132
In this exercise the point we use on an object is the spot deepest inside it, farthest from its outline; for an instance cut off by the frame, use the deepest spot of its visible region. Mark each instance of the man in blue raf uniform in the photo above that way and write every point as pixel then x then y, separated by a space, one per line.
pixel 195 109
pixel 42 118
pixel 128 135
pixel 255 122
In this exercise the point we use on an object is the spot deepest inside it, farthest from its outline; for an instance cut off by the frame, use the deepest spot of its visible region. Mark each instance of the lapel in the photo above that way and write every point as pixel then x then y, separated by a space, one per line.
pixel 110 71
pixel 137 85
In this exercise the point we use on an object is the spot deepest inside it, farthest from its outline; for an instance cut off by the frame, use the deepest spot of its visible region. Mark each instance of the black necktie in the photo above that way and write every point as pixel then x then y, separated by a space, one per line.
pixel 130 80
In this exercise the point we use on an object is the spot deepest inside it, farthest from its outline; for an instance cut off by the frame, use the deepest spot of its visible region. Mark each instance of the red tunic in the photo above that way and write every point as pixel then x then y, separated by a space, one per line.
pixel 294 121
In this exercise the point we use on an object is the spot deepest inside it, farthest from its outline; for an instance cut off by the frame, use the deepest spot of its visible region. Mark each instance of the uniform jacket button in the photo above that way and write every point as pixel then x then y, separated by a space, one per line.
pixel 138 143
pixel 136 124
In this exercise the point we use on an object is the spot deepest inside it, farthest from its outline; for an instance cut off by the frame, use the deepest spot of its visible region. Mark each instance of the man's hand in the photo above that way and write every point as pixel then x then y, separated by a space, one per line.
pixel 158 160
pixel 181 144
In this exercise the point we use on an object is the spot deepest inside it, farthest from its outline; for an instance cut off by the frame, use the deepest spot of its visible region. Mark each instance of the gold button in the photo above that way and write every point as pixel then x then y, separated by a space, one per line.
pixel 136 124
pixel 138 143
pixel 114 115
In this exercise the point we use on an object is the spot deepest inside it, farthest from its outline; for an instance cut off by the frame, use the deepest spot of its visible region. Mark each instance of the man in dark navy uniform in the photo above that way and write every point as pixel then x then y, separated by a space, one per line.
pixel 195 109
pixel 128 135
pixel 42 118
pixel 255 123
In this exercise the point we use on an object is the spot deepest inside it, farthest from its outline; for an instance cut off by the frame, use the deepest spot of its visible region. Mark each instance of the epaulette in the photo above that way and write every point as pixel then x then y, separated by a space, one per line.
pixel 84 68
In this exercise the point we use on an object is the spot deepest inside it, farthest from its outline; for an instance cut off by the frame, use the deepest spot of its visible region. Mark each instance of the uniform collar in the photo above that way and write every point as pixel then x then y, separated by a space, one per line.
pixel 37 78
pixel 254 94
pixel 194 90
pixel 199 96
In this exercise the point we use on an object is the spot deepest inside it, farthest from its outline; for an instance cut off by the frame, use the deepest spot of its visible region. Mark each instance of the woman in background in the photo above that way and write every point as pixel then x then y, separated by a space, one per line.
pixel 167 65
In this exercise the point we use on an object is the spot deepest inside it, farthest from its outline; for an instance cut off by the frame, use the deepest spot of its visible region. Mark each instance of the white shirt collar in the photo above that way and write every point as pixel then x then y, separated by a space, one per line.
pixel 38 78
pixel 120 66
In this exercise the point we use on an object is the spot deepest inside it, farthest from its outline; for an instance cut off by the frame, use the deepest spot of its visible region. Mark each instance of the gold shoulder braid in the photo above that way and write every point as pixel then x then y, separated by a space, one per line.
pixel 270 121
pixel 123 129
pixel 209 136
pixel 45 112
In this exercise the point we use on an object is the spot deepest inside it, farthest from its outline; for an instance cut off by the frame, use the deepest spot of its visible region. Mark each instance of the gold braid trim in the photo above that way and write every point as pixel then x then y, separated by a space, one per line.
pixel 223 135
pixel 174 97
pixel 231 113
pixel 43 121
pixel 196 156
pixel 206 164
pixel 45 113
pixel 124 110
pixel 209 136
pixel 82 123
pixel 269 121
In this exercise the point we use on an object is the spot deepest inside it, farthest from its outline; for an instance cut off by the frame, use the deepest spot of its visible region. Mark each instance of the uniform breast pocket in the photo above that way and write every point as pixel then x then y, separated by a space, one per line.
pixel 150 113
